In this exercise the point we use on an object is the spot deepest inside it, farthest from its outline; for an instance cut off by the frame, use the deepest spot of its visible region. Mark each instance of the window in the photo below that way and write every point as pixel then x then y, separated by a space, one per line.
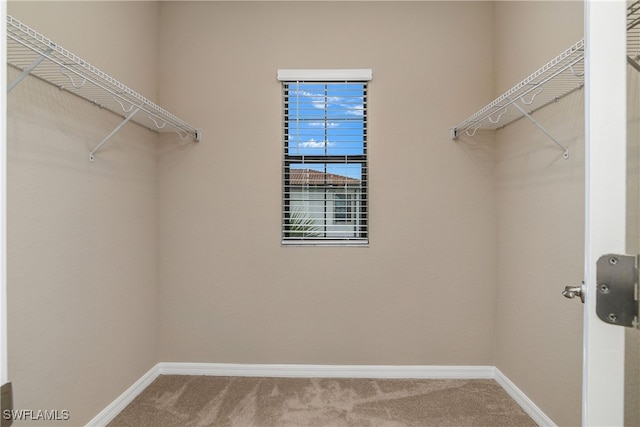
pixel 343 208
pixel 324 175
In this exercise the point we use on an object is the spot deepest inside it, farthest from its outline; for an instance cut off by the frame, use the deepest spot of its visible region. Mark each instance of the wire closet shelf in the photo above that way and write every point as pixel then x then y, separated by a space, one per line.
pixel 32 53
pixel 561 76
pixel 633 35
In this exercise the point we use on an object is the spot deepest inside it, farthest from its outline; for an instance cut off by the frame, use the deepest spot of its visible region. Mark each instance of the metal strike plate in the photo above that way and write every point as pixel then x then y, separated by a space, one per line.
pixel 616 300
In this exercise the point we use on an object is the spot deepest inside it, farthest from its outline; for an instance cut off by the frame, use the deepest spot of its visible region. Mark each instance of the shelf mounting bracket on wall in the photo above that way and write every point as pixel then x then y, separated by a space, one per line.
pixel 564 149
pixel 35 54
pixel 633 63
pixel 113 132
pixel 28 70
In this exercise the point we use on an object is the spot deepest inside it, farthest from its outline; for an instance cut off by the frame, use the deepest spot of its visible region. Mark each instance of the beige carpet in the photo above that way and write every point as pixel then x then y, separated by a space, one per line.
pixel 179 400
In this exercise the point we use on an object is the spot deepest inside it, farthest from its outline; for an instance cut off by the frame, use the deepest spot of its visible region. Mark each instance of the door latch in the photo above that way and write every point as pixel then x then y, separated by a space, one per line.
pixel 574 291
pixel 617 290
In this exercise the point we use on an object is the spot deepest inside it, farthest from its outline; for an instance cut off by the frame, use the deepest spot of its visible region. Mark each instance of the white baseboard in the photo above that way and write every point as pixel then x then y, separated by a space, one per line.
pixel 326 371
pixel 110 412
pixel 321 371
pixel 525 403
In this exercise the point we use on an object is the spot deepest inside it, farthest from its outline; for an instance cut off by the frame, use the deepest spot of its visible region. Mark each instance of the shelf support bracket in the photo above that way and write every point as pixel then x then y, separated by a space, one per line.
pixel 539 126
pixel 633 63
pixel 28 70
pixel 113 132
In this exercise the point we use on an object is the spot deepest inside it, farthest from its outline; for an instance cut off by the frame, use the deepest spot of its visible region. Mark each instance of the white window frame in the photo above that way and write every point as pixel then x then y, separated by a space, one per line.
pixel 361 233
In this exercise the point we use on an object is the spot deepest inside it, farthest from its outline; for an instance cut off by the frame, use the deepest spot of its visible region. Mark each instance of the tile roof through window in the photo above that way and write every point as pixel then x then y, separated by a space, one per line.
pixel 314 177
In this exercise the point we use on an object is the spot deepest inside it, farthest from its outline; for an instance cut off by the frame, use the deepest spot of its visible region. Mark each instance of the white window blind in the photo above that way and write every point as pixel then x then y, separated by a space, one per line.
pixel 325 197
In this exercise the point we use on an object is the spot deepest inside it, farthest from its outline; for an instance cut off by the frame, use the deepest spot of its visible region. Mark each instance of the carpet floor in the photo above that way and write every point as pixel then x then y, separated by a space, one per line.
pixel 190 401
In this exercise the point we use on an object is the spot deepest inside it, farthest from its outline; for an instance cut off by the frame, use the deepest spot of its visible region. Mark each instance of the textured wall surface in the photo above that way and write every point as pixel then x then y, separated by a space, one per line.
pixel 540 216
pixel 81 235
pixel 423 292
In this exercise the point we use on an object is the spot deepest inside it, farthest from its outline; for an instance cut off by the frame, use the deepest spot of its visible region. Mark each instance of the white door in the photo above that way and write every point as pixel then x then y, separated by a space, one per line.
pixel 607 225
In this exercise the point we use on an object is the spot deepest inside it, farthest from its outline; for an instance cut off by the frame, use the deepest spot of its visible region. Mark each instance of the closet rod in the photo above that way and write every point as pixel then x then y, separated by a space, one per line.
pixel 35 54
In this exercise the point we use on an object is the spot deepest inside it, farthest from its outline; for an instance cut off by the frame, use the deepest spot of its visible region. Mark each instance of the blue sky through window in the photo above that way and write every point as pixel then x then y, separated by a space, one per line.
pixel 326 119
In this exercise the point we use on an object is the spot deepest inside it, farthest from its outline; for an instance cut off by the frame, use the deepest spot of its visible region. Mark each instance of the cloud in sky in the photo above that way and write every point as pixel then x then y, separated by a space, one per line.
pixel 356 110
pixel 322 124
pixel 312 143
pixel 320 101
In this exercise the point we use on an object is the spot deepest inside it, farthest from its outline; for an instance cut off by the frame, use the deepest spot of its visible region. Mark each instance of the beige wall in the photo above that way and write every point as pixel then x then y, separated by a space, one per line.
pixel 423 292
pixel 81 235
pixel 528 34
pixel 540 216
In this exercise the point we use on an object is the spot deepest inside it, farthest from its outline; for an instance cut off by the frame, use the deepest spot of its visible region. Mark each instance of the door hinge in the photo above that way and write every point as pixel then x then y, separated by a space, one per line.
pixel 617 290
